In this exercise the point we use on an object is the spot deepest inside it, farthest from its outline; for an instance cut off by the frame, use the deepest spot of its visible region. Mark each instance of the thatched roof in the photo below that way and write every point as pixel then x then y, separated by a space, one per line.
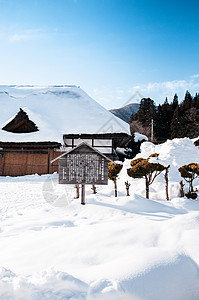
pixel 53 111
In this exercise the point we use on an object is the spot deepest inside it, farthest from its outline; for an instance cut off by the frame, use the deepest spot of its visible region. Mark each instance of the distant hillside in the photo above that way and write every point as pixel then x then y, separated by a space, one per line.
pixel 125 112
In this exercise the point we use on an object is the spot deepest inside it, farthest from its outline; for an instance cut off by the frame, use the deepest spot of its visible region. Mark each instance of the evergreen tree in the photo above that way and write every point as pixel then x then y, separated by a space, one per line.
pixel 166 102
pixel 142 120
pixel 178 124
pixel 170 120
pixel 190 117
pixel 175 102
pixel 163 122
pixel 160 125
pixel 187 102
pixel 196 101
pixel 146 112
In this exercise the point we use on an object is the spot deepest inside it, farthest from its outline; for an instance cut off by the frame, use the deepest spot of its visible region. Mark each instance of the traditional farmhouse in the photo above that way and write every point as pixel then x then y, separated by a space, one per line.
pixel 37 124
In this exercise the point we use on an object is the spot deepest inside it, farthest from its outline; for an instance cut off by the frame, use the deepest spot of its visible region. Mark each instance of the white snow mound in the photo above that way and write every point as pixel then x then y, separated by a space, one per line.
pixel 127 247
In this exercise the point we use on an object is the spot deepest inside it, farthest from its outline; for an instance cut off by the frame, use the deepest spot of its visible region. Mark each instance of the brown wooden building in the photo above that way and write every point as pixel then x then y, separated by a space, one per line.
pixel 25 158
pixel 17 159
pixel 32 136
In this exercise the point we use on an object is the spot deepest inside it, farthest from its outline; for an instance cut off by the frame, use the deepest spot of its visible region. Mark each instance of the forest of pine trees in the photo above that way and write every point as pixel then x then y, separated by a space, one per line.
pixel 170 120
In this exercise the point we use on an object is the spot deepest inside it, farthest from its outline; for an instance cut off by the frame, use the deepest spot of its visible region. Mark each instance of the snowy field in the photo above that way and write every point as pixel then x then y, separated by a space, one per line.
pixel 124 248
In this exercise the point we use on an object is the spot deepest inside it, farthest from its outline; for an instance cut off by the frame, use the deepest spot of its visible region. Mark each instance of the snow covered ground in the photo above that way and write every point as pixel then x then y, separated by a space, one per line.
pixel 128 248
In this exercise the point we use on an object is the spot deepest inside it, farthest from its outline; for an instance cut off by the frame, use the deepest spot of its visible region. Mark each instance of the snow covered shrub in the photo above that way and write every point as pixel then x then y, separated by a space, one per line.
pixel 189 173
pixel 113 172
pixel 191 195
pixel 142 168
pixel 154 155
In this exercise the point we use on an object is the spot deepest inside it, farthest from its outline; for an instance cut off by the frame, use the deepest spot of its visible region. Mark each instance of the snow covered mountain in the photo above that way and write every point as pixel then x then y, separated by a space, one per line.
pixel 56 110
pixel 125 112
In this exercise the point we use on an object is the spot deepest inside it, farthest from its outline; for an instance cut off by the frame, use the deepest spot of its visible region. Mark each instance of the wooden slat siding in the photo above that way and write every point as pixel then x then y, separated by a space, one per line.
pixel 19 163
pixel 1 165
pixel 24 164
pixel 54 167
pixel 26 158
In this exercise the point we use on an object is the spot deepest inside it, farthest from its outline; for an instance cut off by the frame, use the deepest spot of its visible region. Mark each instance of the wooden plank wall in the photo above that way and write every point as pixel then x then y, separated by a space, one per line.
pixel 22 163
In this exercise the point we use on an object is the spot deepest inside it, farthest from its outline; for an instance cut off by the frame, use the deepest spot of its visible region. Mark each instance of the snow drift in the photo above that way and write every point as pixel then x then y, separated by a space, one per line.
pixel 129 248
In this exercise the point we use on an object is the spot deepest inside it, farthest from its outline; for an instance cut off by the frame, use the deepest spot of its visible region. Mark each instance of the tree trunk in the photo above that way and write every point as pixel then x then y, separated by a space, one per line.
pixel 115 186
pixel 167 183
pixel 127 188
pixel 77 191
pixel 94 189
pixel 181 189
pixel 191 186
pixel 127 191
pixel 147 188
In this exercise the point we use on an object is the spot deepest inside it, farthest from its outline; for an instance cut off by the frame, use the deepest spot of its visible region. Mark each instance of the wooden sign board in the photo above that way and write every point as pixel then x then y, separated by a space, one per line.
pixel 83 165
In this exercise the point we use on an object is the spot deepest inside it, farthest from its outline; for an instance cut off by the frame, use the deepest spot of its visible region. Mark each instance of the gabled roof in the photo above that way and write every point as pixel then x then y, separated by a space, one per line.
pixel 21 124
pixel 55 110
pixel 79 146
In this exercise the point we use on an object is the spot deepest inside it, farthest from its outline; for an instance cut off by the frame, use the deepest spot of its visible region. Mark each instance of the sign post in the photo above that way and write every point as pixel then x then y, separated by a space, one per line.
pixel 83 165
pixel 83 200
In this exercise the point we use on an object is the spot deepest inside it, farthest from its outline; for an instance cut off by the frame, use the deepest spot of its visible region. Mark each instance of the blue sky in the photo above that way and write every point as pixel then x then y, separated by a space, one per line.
pixel 113 49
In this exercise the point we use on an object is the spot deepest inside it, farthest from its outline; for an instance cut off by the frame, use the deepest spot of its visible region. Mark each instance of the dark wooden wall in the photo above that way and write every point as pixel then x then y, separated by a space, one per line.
pixel 19 162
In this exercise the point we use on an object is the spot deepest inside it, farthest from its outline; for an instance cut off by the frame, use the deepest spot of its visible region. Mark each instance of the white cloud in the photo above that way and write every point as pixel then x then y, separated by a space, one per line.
pixel 195 76
pixel 160 90
pixel 117 97
pixel 19 37
pixel 26 35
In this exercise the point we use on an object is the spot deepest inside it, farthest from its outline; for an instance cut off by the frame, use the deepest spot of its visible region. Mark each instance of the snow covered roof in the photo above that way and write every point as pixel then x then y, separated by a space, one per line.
pixel 56 110
pixel 140 137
